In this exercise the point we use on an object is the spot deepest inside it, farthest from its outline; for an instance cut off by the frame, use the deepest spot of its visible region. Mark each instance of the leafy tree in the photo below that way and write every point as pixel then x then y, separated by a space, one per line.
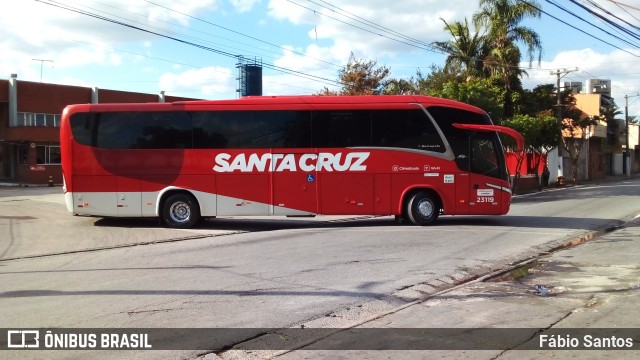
pixel 360 78
pixel 502 19
pixel 541 99
pixel 480 92
pixel 466 50
pixel 433 83
pixel 399 87
pixel 609 114
pixel 327 92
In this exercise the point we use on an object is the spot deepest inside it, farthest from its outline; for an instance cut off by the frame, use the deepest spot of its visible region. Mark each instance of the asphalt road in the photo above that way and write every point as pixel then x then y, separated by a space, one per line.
pixel 252 273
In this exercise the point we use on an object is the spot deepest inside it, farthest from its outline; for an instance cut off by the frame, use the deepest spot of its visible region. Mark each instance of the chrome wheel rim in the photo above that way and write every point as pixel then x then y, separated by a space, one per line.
pixel 425 208
pixel 180 212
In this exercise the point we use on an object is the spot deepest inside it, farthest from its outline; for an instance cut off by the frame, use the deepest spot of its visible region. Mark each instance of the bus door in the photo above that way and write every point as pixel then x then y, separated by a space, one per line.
pixel 485 197
pixel 294 183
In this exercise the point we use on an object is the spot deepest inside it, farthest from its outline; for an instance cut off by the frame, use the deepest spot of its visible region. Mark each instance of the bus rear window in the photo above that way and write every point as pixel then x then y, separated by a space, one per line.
pixel 132 130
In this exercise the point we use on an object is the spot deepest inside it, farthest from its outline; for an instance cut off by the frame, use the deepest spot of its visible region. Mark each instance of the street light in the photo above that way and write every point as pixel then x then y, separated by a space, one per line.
pixel 627 154
pixel 560 73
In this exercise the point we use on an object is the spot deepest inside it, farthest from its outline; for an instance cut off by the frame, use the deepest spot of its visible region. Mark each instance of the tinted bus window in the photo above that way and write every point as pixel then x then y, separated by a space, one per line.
pixel 111 130
pixel 341 128
pixel 133 130
pixel 445 116
pixel 484 158
pixel 405 129
pixel 82 128
pixel 107 130
pixel 160 130
pixel 251 129
pixel 458 139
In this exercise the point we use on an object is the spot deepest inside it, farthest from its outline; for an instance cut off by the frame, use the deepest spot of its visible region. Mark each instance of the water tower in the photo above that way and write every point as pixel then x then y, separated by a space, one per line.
pixel 249 77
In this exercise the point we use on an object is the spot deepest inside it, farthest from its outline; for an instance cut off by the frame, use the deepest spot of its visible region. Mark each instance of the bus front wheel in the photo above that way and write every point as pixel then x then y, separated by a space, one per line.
pixel 180 211
pixel 423 209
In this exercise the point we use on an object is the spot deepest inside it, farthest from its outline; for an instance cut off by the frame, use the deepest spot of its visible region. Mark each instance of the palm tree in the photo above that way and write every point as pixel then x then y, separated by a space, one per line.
pixel 465 51
pixel 502 20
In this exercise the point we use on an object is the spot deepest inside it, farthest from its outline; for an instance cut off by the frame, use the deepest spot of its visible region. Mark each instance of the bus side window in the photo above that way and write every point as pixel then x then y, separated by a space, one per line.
pixel 112 130
pixel 402 128
pixel 282 129
pixel 209 130
pixel 484 159
pixel 251 129
pixel 82 127
pixel 161 130
pixel 333 128
pixel 460 147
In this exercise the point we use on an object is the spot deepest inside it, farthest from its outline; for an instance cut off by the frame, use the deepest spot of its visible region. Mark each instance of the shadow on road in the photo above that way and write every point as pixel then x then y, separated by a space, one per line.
pixel 253 225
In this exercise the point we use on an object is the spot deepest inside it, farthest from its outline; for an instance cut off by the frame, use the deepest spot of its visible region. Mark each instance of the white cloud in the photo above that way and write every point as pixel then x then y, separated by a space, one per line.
pixel 366 29
pixel 71 39
pixel 313 58
pixel 242 6
pixel 214 81
pixel 367 26
pixel 617 65
pixel 115 59
pixel 326 36
pixel 286 84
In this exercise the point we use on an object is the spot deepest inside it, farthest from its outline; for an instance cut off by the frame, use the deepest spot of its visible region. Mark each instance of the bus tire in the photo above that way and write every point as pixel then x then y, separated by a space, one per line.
pixel 423 209
pixel 180 211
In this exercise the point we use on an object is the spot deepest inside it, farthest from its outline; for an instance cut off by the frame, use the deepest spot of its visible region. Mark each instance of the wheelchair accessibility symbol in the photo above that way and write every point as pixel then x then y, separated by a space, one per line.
pixel 311 178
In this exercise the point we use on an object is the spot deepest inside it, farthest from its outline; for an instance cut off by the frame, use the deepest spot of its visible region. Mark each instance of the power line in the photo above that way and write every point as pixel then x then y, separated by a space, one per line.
pixel 593 25
pixel 112 15
pixel 241 34
pixel 200 46
pixel 620 4
pixel 617 26
pixel 625 10
pixel 575 28
pixel 364 21
pixel 597 6
pixel 427 47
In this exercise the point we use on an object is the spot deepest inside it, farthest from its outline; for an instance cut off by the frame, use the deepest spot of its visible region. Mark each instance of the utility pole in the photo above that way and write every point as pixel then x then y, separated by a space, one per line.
pixel 626 163
pixel 560 73
pixel 42 63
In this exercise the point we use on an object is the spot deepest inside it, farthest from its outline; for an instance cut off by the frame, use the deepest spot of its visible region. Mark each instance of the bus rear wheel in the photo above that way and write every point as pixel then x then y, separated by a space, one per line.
pixel 180 211
pixel 423 209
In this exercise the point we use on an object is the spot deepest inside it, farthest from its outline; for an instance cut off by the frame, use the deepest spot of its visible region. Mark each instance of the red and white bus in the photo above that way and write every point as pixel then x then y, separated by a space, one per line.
pixel 414 157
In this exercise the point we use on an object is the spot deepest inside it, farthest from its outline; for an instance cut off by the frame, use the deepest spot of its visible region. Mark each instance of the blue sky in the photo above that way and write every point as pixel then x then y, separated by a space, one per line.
pixel 312 39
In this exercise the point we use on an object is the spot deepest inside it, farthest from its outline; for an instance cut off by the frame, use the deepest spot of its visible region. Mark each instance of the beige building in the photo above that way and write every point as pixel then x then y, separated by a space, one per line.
pixel 602 153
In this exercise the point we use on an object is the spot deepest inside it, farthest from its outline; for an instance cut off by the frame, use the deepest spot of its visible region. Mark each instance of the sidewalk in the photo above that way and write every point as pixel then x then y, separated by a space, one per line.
pixel 569 184
pixel 590 289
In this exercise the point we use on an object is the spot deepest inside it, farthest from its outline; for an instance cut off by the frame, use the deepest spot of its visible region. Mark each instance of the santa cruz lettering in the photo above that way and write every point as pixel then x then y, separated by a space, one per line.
pixel 353 161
